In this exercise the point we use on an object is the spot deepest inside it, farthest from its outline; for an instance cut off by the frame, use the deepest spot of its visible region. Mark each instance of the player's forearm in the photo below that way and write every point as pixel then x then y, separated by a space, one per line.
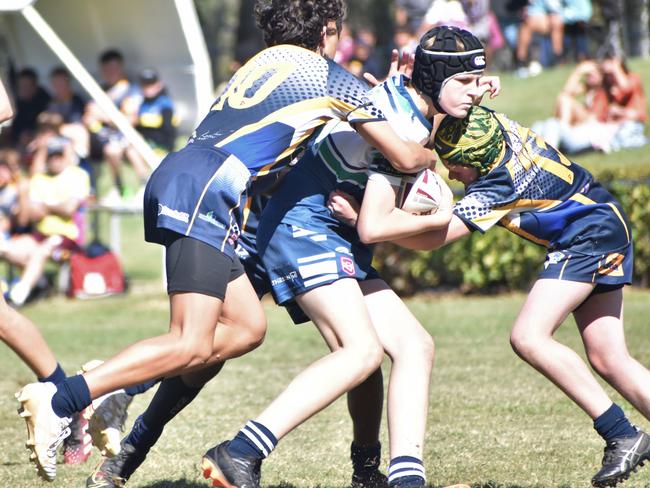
pixel 398 224
pixel 435 239
pixel 427 241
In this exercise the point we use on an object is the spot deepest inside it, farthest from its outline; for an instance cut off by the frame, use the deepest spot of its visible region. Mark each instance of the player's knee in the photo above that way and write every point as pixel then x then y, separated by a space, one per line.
pixel 524 345
pixel 192 352
pixel 607 363
pixel 370 357
pixel 256 330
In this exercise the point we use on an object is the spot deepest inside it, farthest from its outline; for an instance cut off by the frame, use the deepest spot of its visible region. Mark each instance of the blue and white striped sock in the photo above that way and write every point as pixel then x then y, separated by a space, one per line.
pixel 405 469
pixel 253 441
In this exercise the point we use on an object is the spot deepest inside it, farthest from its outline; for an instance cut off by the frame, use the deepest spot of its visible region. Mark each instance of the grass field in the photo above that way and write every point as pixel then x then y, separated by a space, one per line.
pixel 493 421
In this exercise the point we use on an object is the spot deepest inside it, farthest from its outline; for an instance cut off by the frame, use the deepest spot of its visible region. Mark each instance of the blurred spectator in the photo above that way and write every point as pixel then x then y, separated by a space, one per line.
pixel 345 49
pixel 70 106
pixel 8 199
pixel 31 100
pixel 64 100
pixel 410 13
pixel 156 121
pixel 602 107
pixel 404 40
pixel 106 142
pixel 576 15
pixel 51 203
pixel 539 17
pixel 444 12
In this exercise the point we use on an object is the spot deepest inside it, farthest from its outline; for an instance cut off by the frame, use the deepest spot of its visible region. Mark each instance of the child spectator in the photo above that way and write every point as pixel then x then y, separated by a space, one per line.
pixel 156 121
pixel 31 100
pixel 540 17
pixel 106 142
pixel 50 204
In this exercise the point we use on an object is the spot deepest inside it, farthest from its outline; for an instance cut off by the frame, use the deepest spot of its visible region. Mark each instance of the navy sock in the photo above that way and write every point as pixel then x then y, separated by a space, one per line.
pixel 142 437
pixel 613 423
pixel 253 441
pixel 141 388
pixel 72 396
pixel 57 376
pixel 173 395
pixel 405 469
pixel 365 457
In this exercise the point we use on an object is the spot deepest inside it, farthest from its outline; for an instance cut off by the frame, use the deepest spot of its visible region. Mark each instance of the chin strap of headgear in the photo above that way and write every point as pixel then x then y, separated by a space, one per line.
pixel 443 60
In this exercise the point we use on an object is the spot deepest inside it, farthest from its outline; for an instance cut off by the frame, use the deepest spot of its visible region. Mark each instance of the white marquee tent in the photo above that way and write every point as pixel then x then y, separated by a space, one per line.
pixel 164 34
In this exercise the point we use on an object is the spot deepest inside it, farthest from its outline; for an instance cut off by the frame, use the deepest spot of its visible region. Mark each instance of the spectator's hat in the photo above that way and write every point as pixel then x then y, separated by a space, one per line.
pixel 148 76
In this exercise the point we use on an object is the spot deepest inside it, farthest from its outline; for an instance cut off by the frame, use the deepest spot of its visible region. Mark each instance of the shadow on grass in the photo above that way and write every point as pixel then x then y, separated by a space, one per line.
pixel 181 483
pixel 185 483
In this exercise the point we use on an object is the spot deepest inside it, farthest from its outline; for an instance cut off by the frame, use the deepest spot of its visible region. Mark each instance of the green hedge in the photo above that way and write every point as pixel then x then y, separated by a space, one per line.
pixel 501 261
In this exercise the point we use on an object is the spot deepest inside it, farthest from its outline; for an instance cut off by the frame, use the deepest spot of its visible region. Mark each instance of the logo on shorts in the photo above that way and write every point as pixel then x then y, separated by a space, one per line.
pixel 347 265
pixel 288 277
pixel 209 218
pixel 174 214
pixel 554 258
pixel 611 266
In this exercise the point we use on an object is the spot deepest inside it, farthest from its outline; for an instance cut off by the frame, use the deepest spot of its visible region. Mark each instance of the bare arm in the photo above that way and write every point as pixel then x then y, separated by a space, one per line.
pixel 405 156
pixel 435 239
pixel 6 111
pixel 379 220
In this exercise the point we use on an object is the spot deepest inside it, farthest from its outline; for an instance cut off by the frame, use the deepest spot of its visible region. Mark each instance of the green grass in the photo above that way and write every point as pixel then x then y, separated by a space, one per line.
pixel 492 418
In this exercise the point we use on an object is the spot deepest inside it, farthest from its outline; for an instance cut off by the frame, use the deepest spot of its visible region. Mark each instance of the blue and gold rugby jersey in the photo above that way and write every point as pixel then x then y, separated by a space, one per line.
pixel 276 101
pixel 340 159
pixel 539 194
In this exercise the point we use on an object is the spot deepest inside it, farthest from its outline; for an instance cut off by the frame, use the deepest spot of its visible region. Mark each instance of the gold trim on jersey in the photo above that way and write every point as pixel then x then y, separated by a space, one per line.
pixel 507 223
pixel 314 104
pixel 620 217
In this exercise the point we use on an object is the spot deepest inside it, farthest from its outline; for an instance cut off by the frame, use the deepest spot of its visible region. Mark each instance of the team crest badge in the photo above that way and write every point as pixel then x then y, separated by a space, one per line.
pixel 553 258
pixel 347 265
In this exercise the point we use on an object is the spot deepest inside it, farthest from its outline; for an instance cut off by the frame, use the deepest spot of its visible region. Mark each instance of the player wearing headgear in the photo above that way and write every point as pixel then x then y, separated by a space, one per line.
pixel 269 110
pixel 315 261
pixel 513 178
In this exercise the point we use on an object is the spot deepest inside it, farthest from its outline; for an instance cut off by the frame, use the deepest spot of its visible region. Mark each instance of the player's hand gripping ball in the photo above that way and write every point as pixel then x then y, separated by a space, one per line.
pixel 425 193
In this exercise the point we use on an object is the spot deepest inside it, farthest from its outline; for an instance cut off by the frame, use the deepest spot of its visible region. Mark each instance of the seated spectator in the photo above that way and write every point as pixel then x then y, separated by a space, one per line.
pixel 576 15
pixel 31 99
pixel 64 100
pixel 156 121
pixel 8 200
pixel 70 106
pixel 107 142
pixel 602 107
pixel 50 203
pixel 539 17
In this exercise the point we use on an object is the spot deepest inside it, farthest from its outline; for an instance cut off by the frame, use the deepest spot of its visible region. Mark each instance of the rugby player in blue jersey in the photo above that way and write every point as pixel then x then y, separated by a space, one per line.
pixel 318 263
pixel 268 113
pixel 513 178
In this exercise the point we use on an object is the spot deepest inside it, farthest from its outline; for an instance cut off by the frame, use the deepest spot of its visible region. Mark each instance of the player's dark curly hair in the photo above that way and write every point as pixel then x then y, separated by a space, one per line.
pixel 297 22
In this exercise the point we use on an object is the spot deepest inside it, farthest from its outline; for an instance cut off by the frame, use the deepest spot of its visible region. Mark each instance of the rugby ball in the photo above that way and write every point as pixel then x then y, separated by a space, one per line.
pixel 422 193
